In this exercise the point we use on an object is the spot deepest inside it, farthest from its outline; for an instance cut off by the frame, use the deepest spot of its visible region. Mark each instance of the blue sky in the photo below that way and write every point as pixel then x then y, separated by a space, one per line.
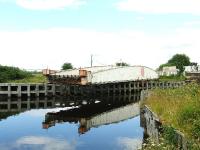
pixel 47 33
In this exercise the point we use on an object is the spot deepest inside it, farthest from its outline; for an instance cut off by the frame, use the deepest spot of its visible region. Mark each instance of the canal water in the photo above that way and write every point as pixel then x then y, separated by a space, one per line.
pixel 71 124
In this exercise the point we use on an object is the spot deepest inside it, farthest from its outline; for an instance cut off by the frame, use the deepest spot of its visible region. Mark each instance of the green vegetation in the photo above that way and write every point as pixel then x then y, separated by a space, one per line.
pixel 122 64
pixel 67 66
pixel 34 78
pixel 178 109
pixel 178 60
pixel 12 73
pixel 16 75
pixel 172 78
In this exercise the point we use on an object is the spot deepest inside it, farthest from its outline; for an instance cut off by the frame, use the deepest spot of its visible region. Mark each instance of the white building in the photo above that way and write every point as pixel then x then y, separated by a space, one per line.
pixel 192 69
pixel 168 71
pixel 192 72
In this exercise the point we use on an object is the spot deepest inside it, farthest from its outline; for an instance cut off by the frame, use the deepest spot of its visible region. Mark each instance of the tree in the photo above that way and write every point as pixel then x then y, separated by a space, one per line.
pixel 121 64
pixel 67 66
pixel 178 60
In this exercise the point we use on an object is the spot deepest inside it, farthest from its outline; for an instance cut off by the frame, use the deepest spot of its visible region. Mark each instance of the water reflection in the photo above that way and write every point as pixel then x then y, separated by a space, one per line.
pixel 10 107
pixel 46 142
pixel 49 124
pixel 39 143
pixel 127 143
pixel 93 115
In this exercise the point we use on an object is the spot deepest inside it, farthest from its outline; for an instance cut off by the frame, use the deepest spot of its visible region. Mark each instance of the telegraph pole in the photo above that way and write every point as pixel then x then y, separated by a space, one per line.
pixel 91 60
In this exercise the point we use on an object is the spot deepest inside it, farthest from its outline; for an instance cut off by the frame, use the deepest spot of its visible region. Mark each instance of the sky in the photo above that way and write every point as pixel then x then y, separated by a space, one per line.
pixel 38 34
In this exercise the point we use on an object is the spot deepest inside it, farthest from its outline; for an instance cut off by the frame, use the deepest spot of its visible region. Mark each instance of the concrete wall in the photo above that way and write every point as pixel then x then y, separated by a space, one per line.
pixel 26 90
pixel 20 105
pixel 153 128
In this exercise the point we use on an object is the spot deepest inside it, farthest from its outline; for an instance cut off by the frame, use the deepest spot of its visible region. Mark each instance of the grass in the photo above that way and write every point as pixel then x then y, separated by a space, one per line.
pixel 178 108
pixel 35 78
pixel 172 78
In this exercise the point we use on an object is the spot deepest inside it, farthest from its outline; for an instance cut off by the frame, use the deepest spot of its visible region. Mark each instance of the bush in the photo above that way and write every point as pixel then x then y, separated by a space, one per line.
pixel 12 73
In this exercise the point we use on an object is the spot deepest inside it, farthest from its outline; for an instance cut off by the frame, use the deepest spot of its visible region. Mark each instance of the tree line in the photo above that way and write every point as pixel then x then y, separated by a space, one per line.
pixel 8 73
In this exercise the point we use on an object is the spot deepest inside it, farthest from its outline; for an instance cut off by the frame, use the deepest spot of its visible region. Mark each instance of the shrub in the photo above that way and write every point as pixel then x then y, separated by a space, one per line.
pixel 12 73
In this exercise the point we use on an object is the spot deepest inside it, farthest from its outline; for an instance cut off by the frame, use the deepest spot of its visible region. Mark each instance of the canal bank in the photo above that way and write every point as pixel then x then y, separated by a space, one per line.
pixel 171 118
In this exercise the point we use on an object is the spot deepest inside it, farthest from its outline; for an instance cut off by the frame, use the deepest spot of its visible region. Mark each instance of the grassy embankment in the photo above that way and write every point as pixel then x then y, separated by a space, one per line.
pixel 172 78
pixel 34 78
pixel 16 75
pixel 178 109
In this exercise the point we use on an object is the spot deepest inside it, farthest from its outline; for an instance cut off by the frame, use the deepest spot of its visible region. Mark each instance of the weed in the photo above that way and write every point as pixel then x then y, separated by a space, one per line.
pixel 178 108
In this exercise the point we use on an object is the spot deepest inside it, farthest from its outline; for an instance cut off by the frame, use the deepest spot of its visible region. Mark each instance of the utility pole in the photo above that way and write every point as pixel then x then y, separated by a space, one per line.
pixel 91 61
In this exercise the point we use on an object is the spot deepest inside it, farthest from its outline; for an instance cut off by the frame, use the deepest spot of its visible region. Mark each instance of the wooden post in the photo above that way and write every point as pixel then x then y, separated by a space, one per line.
pixel 29 90
pixel 45 89
pixel 9 103
pixel 9 90
pixel 28 103
pixel 37 90
pixel 19 93
pixel 138 85
pixel 19 104
pixel 54 89
pixel 129 87
pixel 147 85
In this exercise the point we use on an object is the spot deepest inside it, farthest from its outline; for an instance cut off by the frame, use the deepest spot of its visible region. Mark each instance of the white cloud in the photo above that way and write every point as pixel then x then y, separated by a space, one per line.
pixel 40 143
pixel 49 4
pixel 45 143
pixel 38 49
pixel 160 6
pixel 129 143
pixel 192 23
pixel 140 18
pixel 41 48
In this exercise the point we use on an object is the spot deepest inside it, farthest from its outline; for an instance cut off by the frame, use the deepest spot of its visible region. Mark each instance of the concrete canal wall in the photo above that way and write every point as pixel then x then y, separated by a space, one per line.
pixel 20 105
pixel 119 88
pixel 16 90
pixel 153 128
